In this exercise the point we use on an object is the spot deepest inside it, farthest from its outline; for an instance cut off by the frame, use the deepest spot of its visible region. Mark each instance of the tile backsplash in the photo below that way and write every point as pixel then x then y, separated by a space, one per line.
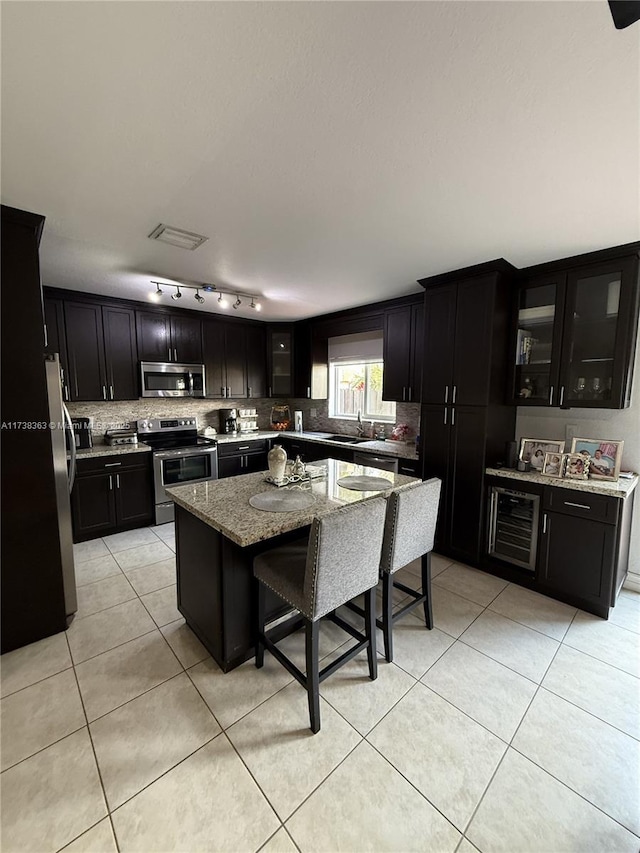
pixel 112 415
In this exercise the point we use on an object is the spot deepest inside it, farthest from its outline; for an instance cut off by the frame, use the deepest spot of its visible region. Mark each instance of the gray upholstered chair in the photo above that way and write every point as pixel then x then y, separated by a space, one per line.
pixel 409 533
pixel 340 561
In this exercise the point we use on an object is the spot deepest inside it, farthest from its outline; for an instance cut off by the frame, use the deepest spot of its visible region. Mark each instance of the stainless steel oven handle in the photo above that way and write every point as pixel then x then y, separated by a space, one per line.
pixel 192 451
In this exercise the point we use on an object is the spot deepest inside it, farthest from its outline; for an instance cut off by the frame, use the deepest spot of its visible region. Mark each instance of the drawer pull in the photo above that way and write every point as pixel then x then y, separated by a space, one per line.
pixel 579 506
pixel 246 447
pixel 111 464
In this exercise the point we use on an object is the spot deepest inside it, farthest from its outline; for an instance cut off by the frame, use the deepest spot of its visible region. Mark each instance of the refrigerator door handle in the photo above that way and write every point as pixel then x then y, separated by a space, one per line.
pixel 72 445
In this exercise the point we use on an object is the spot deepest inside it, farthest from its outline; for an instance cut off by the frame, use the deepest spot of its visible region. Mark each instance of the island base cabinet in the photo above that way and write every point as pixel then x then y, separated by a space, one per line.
pixel 215 590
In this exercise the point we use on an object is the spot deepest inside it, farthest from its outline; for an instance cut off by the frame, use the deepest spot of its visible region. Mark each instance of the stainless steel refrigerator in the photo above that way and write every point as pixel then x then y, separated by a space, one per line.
pixel 62 437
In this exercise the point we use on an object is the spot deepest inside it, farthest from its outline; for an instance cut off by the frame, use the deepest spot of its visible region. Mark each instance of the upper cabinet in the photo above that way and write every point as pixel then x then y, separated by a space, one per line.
pixel 574 334
pixel 234 359
pixel 56 340
pixel 101 352
pixel 169 337
pixel 465 328
pixel 403 353
pixel 280 355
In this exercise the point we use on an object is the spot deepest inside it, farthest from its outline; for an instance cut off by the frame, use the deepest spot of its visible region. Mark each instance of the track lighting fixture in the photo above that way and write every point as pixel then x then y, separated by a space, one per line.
pixel 223 301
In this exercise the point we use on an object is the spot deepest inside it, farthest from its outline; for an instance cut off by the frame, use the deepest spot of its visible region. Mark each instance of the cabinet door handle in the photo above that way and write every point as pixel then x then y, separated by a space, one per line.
pixel 410 393
pixel 112 464
pixel 551 396
pixel 111 391
pixel 309 392
pixel 222 390
pixel 453 417
pixel 446 393
pixel 561 394
pixel 66 392
pixel 270 390
pixel 544 524
pixel 175 354
pixel 228 392
pixel 453 395
pixel 110 483
pixel 248 390
pixel 169 351
pixel 578 506
pixel 117 481
pixel 445 415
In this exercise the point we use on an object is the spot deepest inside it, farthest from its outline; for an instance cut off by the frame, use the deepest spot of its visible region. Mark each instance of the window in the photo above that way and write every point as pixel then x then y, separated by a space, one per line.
pixel 356 386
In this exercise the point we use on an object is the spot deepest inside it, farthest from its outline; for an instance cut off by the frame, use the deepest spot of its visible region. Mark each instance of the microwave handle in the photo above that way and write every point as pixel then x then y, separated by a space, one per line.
pixel 190 375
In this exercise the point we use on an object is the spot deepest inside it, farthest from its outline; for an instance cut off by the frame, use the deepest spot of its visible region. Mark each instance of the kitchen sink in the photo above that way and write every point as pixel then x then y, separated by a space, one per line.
pixel 346 439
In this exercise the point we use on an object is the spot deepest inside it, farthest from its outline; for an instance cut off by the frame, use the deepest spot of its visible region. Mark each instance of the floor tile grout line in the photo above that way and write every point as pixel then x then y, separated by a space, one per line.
pixel 118 646
pixel 77 618
pixel 42 748
pixel 585 711
pixel 40 680
pixel 93 750
pixel 606 662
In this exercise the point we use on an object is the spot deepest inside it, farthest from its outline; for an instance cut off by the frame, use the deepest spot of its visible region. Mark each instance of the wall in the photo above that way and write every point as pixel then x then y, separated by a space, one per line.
pixel 597 423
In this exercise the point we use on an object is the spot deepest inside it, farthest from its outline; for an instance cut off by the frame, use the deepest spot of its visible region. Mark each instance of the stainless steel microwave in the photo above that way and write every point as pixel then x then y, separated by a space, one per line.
pixel 162 379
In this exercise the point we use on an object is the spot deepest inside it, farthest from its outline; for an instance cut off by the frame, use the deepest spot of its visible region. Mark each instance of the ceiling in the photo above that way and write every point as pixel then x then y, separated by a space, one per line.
pixel 332 153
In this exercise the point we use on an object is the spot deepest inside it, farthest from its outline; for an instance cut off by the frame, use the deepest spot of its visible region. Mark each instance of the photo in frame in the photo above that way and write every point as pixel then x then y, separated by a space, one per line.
pixel 605 454
pixel 532 450
pixel 552 466
pixel 576 466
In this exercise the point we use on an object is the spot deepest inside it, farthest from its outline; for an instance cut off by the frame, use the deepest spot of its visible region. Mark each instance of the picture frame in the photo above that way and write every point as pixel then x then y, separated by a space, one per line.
pixel 605 456
pixel 532 450
pixel 576 466
pixel 553 465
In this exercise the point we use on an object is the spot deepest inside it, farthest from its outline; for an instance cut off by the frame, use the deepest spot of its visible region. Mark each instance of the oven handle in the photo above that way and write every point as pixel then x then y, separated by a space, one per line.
pixel 169 454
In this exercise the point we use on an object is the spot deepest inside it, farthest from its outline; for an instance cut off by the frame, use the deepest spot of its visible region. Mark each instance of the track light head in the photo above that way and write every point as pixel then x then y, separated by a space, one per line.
pixel 157 293
pixel 222 302
pixel 198 298
pixel 177 294
pixel 238 302
pixel 255 305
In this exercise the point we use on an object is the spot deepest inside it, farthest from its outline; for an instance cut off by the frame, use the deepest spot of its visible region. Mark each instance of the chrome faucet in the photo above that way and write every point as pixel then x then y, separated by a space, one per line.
pixel 360 428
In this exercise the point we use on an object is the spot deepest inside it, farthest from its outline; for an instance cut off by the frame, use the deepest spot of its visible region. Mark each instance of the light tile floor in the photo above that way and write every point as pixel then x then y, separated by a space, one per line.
pixel 512 726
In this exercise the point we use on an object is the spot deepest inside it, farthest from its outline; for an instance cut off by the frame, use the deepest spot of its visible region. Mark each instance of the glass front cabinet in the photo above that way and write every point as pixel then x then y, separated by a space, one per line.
pixel 574 336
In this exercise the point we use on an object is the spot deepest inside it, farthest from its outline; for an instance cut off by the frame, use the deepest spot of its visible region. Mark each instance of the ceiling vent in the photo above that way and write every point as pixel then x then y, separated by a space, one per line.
pixel 177 237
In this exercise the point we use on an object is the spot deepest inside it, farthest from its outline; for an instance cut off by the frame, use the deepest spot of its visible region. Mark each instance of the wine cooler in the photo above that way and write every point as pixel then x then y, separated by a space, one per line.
pixel 513 526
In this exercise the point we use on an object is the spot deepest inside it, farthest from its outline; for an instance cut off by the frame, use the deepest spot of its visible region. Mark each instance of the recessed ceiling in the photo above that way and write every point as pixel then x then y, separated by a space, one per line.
pixel 333 153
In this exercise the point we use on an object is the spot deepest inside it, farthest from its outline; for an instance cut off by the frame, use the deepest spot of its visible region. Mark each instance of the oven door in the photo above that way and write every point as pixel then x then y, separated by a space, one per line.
pixel 160 379
pixel 174 467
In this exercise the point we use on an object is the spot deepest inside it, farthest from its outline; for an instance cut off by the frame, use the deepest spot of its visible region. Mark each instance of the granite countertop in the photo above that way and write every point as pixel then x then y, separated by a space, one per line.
pixel 620 489
pixel 108 450
pixel 224 504
pixel 396 449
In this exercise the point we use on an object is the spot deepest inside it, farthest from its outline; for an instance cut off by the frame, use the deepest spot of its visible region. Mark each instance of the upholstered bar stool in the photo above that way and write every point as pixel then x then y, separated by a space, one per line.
pixel 340 562
pixel 409 533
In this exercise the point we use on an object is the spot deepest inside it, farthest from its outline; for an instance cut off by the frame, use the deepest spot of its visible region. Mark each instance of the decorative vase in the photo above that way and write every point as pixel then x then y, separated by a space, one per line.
pixel 277 458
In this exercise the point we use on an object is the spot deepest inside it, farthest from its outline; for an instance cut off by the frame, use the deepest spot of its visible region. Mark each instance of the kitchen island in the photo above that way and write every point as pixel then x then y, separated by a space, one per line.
pixel 218 534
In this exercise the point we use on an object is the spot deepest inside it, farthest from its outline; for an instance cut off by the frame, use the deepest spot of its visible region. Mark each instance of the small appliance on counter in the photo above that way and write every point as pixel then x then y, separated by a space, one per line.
pixel 229 421
pixel 297 421
pixel 115 437
pixel 82 433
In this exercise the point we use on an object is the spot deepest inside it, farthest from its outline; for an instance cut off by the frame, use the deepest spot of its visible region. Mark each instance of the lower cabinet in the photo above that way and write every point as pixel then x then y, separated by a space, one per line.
pixel 242 457
pixel 111 494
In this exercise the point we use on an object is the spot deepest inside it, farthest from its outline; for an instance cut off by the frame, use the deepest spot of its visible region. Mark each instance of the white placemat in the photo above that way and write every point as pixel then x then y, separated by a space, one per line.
pixel 281 501
pixel 364 483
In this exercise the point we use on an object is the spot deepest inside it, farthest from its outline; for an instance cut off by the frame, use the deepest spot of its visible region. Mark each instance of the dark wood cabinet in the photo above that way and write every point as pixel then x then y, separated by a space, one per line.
pixel 242 457
pixel 121 355
pixel 56 339
pixel 465 424
pixel 574 330
pixel 280 360
pixel 234 359
pixel 110 494
pixel 403 351
pixel 101 352
pixel 169 337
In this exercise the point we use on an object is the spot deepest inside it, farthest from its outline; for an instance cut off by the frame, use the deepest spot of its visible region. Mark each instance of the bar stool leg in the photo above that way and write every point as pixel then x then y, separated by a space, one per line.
pixel 387 615
pixel 260 608
pixel 426 589
pixel 370 630
pixel 312 636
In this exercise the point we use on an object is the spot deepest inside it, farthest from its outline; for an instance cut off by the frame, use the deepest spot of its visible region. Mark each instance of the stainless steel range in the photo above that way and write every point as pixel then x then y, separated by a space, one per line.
pixel 180 456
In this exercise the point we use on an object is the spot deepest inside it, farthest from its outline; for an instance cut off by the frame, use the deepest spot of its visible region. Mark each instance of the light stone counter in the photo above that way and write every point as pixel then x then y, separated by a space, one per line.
pixel 396 449
pixel 620 489
pixel 224 504
pixel 108 450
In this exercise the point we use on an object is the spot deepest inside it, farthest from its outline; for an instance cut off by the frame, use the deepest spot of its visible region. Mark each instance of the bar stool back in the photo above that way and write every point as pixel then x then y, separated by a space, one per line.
pixel 340 561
